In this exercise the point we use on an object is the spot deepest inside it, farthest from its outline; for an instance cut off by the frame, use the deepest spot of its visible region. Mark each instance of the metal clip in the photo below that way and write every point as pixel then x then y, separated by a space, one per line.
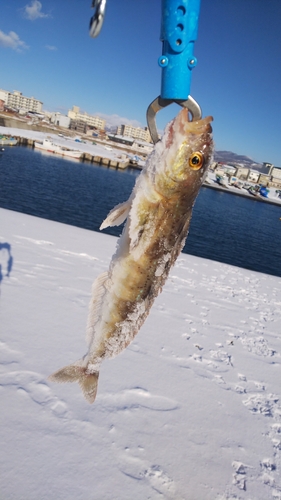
pixel 159 103
pixel 96 21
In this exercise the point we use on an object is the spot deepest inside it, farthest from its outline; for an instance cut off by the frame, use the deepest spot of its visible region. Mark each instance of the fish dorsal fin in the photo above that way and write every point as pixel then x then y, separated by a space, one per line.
pixel 117 215
pixel 98 292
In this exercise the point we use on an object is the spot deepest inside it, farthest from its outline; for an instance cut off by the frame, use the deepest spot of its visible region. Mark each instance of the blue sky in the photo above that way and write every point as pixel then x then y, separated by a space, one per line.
pixel 46 52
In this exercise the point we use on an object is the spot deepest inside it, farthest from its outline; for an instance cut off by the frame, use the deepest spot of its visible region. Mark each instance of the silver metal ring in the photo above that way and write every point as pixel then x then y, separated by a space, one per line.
pixel 160 103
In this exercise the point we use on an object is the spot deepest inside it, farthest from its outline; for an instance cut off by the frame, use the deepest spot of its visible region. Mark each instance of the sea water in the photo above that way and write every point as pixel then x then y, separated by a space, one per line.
pixel 224 227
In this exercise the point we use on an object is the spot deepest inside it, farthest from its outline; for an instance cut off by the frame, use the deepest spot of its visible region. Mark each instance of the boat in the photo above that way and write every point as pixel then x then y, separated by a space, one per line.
pixel 238 184
pixel 254 190
pixel 51 147
pixel 222 180
pixel 7 141
pixel 208 180
pixel 264 191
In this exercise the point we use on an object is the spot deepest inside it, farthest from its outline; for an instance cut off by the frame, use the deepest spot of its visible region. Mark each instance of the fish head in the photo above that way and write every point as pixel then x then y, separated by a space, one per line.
pixel 187 151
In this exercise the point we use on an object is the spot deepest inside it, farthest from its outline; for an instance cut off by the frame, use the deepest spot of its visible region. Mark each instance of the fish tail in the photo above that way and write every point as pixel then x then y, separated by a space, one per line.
pixel 77 373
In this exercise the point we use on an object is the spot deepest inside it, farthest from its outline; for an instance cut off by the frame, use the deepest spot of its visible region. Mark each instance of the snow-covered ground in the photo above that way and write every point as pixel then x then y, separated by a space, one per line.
pixel 189 411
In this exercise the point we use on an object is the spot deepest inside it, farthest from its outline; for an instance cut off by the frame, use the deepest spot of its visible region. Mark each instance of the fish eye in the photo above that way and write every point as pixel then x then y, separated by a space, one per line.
pixel 196 160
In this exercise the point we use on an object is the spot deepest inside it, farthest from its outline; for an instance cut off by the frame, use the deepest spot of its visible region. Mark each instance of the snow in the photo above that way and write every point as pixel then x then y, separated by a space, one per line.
pixel 189 411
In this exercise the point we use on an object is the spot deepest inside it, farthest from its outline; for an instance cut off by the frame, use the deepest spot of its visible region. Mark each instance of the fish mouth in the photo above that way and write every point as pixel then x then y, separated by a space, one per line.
pixel 181 124
pixel 196 127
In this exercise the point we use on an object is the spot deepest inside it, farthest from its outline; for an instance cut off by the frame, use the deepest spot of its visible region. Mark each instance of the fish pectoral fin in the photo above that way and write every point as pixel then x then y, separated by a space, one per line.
pixel 77 373
pixel 117 215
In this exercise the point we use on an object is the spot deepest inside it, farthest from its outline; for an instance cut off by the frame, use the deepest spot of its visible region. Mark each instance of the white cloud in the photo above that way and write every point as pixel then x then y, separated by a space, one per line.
pixel 33 11
pixel 51 47
pixel 12 40
pixel 114 120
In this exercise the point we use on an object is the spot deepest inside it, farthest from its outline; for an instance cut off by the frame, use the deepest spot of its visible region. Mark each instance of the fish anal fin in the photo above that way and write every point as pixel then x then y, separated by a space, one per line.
pixel 75 373
pixel 117 215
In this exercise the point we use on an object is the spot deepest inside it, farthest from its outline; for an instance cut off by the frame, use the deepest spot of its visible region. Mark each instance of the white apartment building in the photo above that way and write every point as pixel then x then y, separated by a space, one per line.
pixel 136 132
pixel 92 121
pixel 18 101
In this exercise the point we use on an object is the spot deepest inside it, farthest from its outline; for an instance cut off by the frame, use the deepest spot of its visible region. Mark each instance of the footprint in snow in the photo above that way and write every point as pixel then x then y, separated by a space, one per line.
pixel 264 404
pixel 32 385
pixel 154 475
pixel 7 355
pixel 239 476
pixel 132 399
pixel 257 345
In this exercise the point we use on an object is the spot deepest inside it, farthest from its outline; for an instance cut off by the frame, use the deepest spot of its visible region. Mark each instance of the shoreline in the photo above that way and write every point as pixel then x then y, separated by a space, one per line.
pixel 100 154
pixel 242 192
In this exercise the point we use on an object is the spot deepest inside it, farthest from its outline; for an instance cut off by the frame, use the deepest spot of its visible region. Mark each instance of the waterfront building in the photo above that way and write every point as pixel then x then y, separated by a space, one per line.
pixel 267 166
pixel 16 100
pixel 80 126
pixel 275 176
pixel 121 139
pixel 264 179
pixel 135 132
pixel 92 121
pixel 60 120
pixel 253 175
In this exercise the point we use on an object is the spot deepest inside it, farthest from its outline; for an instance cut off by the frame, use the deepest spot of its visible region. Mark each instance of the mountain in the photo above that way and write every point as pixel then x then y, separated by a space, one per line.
pixel 229 157
pixel 111 129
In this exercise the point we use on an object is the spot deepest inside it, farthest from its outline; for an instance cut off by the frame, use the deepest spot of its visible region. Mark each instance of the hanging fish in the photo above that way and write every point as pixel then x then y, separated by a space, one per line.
pixel 158 215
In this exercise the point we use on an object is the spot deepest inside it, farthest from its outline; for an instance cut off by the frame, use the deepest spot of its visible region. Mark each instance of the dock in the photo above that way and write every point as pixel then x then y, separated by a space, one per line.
pixel 99 160
pixel 241 192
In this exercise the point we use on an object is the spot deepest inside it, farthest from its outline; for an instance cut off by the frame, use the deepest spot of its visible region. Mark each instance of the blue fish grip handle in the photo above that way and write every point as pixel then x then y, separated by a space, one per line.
pixel 179 28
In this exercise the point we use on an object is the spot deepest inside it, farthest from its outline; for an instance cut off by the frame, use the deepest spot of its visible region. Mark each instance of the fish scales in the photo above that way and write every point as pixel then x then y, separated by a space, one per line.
pixel 158 215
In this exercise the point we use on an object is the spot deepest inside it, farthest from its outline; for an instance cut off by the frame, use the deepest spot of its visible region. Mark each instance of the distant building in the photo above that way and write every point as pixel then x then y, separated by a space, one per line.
pixel 253 176
pixel 92 121
pixel 128 141
pixel 267 165
pixel 60 120
pixel 4 95
pixel 242 173
pixel 276 176
pixel 79 125
pixel 16 100
pixel 135 132
pixel 264 179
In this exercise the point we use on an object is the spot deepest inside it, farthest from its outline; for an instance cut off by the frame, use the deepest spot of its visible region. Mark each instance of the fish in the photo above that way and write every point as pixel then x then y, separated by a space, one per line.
pixel 158 214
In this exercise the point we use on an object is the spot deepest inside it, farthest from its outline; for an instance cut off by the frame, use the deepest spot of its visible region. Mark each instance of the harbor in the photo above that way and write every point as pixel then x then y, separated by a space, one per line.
pixel 118 156
pixel 239 180
pixel 93 149
pixel 84 156
pixel 245 191
pixel 231 229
